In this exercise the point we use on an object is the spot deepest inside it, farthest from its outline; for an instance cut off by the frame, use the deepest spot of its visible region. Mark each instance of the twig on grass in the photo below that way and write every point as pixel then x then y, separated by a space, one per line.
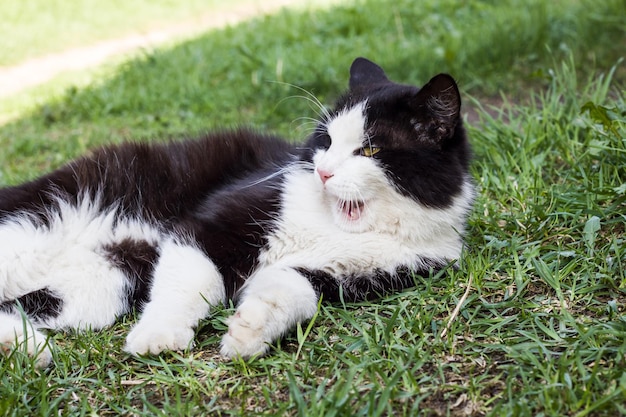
pixel 458 306
pixel 132 382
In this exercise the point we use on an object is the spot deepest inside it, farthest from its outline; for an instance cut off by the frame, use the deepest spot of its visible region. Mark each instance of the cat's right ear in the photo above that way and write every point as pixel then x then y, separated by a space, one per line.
pixel 364 73
pixel 437 109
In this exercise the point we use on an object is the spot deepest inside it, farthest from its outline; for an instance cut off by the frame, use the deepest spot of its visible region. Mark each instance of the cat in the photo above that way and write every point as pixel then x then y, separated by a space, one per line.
pixel 378 192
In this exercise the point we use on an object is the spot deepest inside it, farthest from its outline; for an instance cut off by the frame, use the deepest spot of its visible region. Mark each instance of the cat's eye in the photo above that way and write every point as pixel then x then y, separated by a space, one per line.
pixel 324 141
pixel 369 151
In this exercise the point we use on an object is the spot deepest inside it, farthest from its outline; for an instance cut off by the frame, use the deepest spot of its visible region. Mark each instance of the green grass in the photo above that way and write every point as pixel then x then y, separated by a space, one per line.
pixel 32 28
pixel 54 25
pixel 543 330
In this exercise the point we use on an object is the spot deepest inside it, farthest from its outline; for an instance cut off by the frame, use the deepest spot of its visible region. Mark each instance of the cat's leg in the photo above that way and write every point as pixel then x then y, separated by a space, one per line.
pixel 59 275
pixel 17 331
pixel 272 302
pixel 78 290
pixel 91 296
pixel 25 259
pixel 186 284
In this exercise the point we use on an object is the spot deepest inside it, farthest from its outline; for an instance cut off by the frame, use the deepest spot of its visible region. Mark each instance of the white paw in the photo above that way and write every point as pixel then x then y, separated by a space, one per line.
pixel 246 331
pixel 155 337
pixel 35 342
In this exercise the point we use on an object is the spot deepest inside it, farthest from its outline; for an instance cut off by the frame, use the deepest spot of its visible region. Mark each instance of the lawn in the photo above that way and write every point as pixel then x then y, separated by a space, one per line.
pixel 542 330
pixel 32 28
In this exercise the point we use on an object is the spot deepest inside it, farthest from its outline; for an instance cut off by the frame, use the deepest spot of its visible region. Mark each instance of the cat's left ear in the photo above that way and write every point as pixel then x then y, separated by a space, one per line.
pixel 437 108
pixel 364 73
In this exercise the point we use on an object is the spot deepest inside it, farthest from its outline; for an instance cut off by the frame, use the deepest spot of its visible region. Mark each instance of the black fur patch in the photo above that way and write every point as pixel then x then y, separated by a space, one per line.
pixel 361 287
pixel 38 305
pixel 136 258
pixel 426 155
pixel 232 226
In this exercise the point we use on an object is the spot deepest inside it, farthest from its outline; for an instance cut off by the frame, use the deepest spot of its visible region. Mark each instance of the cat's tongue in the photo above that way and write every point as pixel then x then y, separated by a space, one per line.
pixel 352 209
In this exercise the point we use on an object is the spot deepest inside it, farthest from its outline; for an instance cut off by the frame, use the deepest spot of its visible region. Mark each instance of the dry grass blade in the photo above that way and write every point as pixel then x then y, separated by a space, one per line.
pixel 455 313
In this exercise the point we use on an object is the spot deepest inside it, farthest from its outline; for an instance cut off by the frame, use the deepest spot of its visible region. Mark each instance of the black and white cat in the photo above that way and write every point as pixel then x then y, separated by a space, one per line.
pixel 378 192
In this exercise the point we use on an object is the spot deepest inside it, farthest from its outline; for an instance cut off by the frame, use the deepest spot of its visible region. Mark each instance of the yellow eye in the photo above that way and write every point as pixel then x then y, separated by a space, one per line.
pixel 369 151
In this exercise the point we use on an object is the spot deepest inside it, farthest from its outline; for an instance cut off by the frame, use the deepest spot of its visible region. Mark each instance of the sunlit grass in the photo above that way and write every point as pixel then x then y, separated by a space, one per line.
pixel 31 28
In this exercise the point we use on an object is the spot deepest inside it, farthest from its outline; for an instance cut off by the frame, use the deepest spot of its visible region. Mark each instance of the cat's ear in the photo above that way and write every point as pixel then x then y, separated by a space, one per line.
pixel 364 73
pixel 437 108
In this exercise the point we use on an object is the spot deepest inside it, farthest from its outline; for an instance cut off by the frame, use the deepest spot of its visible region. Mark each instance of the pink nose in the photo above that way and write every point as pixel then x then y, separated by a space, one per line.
pixel 324 175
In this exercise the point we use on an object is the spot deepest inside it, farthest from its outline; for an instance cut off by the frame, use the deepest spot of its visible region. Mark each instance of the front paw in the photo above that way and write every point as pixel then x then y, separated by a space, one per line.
pixel 154 338
pixel 35 343
pixel 246 332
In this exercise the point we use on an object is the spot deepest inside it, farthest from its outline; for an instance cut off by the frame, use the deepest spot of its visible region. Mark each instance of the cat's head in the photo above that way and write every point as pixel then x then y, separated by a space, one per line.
pixel 385 143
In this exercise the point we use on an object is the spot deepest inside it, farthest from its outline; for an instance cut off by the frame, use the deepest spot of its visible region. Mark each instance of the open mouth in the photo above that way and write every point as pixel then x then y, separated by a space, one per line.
pixel 352 210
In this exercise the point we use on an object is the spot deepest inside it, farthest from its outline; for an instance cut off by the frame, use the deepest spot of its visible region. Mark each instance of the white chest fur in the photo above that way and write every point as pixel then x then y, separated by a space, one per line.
pixel 400 231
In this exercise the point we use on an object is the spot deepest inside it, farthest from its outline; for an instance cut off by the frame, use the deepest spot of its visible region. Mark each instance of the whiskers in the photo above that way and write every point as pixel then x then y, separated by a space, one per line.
pixel 308 124
pixel 280 171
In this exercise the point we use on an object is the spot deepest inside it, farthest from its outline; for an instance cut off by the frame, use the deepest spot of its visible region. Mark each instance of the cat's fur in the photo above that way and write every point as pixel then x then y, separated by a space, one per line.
pixel 378 192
